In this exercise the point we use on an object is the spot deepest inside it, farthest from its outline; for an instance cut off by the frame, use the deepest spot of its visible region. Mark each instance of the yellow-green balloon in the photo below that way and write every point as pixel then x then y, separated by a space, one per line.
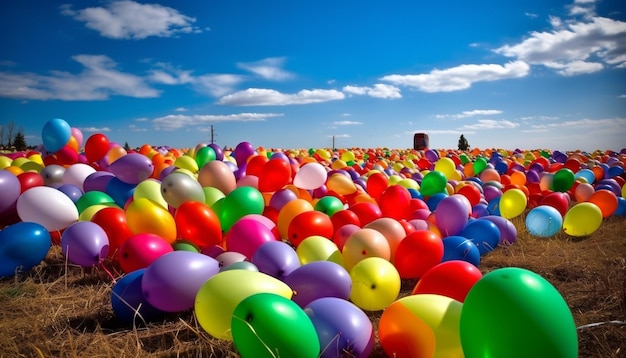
pixel 582 219
pixel 150 189
pixel 318 248
pixel 219 296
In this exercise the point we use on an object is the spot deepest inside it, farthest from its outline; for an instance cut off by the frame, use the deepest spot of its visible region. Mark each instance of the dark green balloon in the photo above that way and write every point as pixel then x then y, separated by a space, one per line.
pixel 563 180
pixel 513 312
pixel 328 205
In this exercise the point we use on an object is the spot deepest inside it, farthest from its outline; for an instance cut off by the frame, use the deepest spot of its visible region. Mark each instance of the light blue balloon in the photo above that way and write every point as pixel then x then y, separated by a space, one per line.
pixel 544 221
pixel 586 174
pixel 55 134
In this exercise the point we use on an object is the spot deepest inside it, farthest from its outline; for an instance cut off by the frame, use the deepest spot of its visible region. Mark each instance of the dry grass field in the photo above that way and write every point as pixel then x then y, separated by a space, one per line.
pixel 60 310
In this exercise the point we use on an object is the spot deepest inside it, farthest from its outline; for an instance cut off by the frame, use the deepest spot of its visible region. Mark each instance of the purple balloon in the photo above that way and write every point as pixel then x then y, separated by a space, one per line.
pixel 276 258
pixel 129 303
pixel 85 243
pixel 171 282
pixel 452 214
pixel 219 152
pixel 508 231
pixel 72 191
pixel 343 328
pixel 97 181
pixel 132 168
pixel 319 279
pixel 282 197
pixel 10 188
pixel 242 152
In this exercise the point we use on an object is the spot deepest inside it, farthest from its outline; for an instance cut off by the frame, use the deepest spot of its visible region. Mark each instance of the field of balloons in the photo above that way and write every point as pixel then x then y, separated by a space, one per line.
pixel 284 252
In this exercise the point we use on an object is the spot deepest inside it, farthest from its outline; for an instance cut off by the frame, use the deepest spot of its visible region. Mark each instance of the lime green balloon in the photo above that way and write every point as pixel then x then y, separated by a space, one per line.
pixel 205 155
pixel 93 197
pixel 329 205
pixel 88 213
pixel 479 165
pixel 433 182
pixel 318 248
pixel 512 203
pixel 218 297
pixel 186 162
pixel 375 283
pixel 563 180
pixel 212 195
pixel 513 312
pixel 240 202
pixel 270 325
pixel 582 219
pixel 150 189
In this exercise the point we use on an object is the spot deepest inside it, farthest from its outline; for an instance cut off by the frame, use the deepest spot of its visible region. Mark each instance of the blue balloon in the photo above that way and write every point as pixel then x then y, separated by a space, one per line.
pixel 434 200
pixel 484 233
pixel 494 206
pixel 621 207
pixel 23 246
pixel 460 248
pixel 72 191
pixel 55 134
pixel 120 191
pixel 544 221
pixel 128 302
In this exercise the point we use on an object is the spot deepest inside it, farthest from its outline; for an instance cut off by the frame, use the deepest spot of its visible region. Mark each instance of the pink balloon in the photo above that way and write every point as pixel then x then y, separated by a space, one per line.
pixel 140 250
pixel 247 235
pixel 310 176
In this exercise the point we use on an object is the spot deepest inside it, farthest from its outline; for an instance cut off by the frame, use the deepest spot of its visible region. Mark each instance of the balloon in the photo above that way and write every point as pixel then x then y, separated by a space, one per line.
pixel 318 279
pixel 96 147
pixel 119 191
pixel 452 214
pixel 51 174
pixel 417 253
pixel 530 308
pixel 204 155
pixel 140 250
pixel 433 182
pixel 91 198
pixel 376 184
pixel 10 188
pixel 375 284
pixel 582 219
pixel 276 258
pixel 341 184
pixel 393 231
pixel 484 233
pixel 362 244
pixel 47 206
pixel 238 203
pixel 318 248
pixel 563 180
pixel 270 325
pixel 394 202
pixel 275 174
pixel 218 175
pixel 606 201
pixel 178 187
pixel 247 235
pixel 72 191
pixel 113 221
pixel 97 181
pixel 128 302
pixel 328 205
pixel 197 223
pixel 438 330
pixel 219 296
pixel 85 243
pixel 559 201
pixel 512 203
pixel 55 134
pixel 309 223
pixel 29 179
pixel 289 211
pixel 479 165
pixel 228 258
pixel 544 221
pixel 162 284
pixel 366 212
pixel 242 152
pixel 132 168
pixel 508 231
pixel 146 216
pixel 342 328
pixel 23 245
pixel 453 278
pixel 460 248
pixel 150 189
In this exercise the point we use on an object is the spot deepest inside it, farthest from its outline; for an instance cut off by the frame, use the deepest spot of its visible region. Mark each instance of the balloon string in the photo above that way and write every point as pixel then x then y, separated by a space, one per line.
pixel 107 272
pixel 601 324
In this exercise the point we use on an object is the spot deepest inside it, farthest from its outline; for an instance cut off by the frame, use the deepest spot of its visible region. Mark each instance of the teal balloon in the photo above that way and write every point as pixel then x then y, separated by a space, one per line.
pixel 205 155
pixel 563 180
pixel 270 325
pixel 242 201
pixel 513 312
pixel 433 182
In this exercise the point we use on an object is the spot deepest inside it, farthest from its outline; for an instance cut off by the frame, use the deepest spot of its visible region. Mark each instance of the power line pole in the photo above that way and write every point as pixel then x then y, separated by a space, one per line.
pixel 333 142
pixel 212 135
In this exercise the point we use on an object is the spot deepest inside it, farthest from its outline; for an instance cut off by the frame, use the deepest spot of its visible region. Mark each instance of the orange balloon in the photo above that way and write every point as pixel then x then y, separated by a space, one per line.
pixel 606 201
pixel 145 215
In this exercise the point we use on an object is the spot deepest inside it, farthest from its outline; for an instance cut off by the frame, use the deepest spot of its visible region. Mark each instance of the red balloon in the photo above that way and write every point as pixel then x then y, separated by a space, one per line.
pixel 452 279
pixel 366 212
pixel 559 201
pixel 96 147
pixel 255 165
pixel 417 253
pixel 140 250
pixel 395 202
pixel 29 180
pixel 197 223
pixel 606 200
pixel 345 217
pixel 113 221
pixel 275 174
pixel 471 192
pixel 66 155
pixel 309 223
pixel 376 184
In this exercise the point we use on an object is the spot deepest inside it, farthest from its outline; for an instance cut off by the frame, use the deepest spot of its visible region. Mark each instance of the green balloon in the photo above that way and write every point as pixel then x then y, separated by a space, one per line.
pixel 513 312
pixel 93 197
pixel 270 325
pixel 204 155
pixel 479 165
pixel 238 203
pixel 433 182
pixel 563 180
pixel 328 205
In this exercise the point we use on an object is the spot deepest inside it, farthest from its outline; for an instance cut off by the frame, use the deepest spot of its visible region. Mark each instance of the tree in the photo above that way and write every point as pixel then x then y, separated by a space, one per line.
pixel 463 144
pixel 19 142
pixel 126 146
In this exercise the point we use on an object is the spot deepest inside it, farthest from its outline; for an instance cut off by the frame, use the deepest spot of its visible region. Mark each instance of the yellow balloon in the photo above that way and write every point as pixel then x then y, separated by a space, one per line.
pixel 146 216
pixel 624 191
pixel 91 210
pixel 218 297
pixel 31 166
pixel 338 164
pixel 150 189
pixel 446 166
pixel 318 248
pixel 582 219
pixel 5 162
pixel 20 161
pixel 347 156
pixel 375 284
pixel 186 162
pixel 341 184
pixel 512 203
pixel 409 183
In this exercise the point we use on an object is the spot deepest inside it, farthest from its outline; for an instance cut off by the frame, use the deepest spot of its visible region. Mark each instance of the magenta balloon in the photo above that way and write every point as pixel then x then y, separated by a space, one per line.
pixel 342 327
pixel 172 281
pixel 10 188
pixel 282 197
pixel 319 279
pixel 247 235
pixel 97 181
pixel 141 250
pixel 85 243
pixel 452 214
pixel 276 258
pixel 132 168
pixel 508 231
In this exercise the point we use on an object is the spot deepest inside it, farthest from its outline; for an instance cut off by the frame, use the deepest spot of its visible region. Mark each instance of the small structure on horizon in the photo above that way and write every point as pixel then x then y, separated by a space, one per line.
pixel 420 141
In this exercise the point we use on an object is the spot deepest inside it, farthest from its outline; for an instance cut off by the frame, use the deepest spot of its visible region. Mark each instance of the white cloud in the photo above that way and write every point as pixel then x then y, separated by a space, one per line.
pixel 181 109
pixel 491 124
pixel 579 47
pixel 441 131
pixel 622 96
pixel 346 123
pixel 176 121
pixel 339 136
pixel 379 90
pixel 132 20
pixel 217 84
pixel 269 69
pixel 99 80
pixel 269 97
pixel 460 77
pixel 94 129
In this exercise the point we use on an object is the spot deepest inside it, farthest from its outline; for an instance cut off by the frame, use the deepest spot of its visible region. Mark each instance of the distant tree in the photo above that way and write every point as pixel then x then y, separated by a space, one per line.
pixel 463 144
pixel 126 146
pixel 19 142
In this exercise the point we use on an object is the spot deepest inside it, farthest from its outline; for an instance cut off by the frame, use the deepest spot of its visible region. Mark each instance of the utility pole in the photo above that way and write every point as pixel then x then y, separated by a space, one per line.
pixel 333 142
pixel 212 135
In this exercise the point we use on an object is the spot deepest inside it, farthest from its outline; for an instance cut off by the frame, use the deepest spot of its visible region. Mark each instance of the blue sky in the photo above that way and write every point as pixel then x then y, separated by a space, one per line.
pixel 295 74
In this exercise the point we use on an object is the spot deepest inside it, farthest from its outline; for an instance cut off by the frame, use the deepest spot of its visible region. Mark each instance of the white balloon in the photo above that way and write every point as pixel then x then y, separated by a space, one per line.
pixel 76 174
pixel 48 207
pixel 310 176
